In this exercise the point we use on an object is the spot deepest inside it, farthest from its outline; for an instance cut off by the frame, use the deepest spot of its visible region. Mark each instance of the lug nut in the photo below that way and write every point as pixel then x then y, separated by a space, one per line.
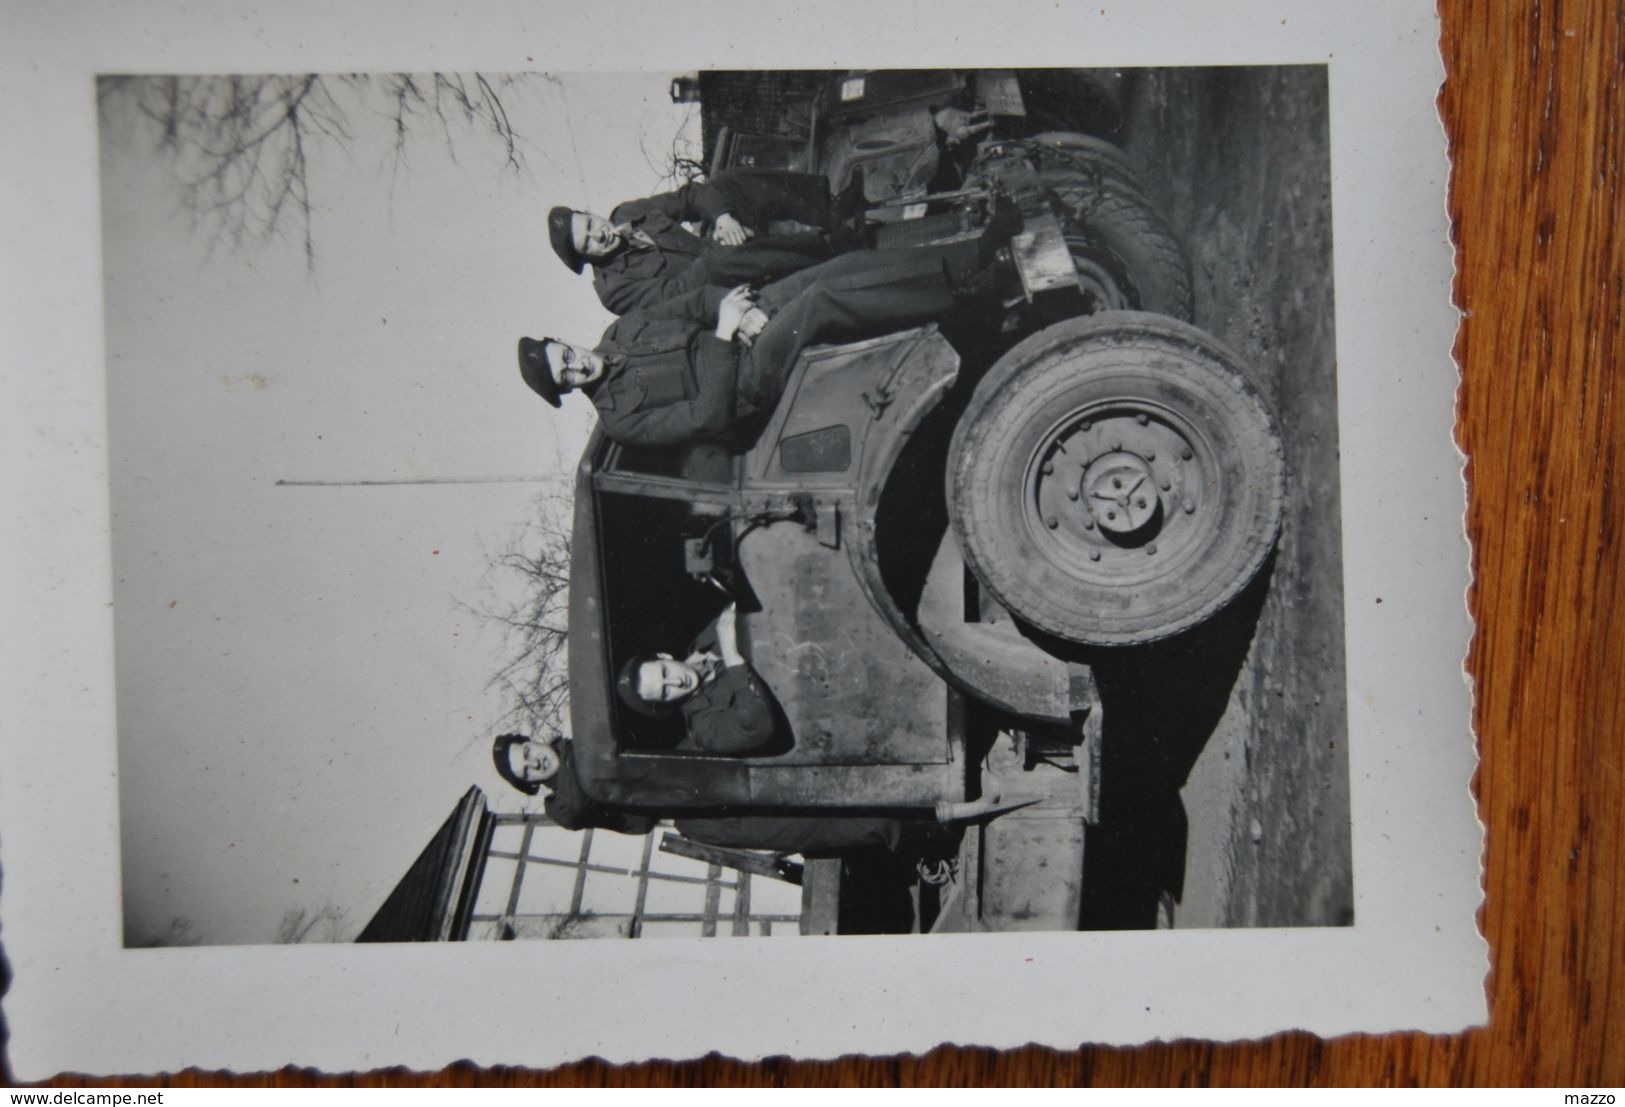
pixel 1151 455
pixel 1089 522
pixel 1188 506
pixel 1117 446
pixel 1111 514
pixel 1085 425
pixel 1094 555
pixel 1185 452
pixel 1071 493
pixel 1051 522
pixel 1142 418
pixel 1049 467
pixel 1150 547
pixel 1165 484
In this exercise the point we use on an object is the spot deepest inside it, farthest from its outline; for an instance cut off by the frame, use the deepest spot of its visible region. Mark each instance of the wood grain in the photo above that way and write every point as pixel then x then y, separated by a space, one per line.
pixel 1532 106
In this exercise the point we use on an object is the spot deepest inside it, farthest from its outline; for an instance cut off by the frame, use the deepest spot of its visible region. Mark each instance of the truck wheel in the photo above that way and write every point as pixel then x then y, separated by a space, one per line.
pixel 1113 229
pixel 1086 154
pixel 1115 480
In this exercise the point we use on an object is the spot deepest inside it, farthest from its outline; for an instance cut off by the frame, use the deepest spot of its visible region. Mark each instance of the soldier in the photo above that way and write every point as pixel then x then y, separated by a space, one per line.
pixel 699 366
pixel 642 254
pixel 724 706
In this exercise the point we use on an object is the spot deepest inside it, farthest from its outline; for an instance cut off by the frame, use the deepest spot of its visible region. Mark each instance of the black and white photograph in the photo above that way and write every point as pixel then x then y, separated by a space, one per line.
pixel 945 536
pixel 683 508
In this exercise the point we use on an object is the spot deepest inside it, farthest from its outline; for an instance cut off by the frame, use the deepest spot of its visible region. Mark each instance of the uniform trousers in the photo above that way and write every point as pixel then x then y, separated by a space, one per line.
pixel 853 297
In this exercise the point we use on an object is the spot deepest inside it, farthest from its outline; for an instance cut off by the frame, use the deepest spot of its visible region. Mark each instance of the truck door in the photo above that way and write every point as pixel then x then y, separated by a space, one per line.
pixel 855 693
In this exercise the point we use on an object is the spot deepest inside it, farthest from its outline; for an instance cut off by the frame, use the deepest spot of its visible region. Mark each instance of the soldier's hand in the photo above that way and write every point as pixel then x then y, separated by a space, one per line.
pixel 959 126
pixel 751 325
pixel 732 311
pixel 730 231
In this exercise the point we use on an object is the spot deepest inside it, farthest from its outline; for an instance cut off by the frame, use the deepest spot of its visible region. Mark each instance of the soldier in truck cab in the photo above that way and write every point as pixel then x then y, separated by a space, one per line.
pixel 725 708
pixel 642 254
pixel 700 366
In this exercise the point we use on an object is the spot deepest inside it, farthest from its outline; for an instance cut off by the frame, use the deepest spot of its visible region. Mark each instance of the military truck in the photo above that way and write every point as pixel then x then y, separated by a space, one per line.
pixel 929 145
pixel 938 531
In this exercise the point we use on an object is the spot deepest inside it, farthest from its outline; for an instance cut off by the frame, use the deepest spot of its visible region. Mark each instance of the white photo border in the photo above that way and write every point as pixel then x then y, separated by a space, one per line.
pixel 1413 959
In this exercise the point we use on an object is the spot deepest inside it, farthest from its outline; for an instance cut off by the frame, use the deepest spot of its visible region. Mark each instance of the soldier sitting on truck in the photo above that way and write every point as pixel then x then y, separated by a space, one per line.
pixel 675 374
pixel 642 254
pixel 724 706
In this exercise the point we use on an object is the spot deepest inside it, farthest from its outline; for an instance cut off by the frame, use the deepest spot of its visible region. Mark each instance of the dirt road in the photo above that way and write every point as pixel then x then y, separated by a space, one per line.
pixel 1228 796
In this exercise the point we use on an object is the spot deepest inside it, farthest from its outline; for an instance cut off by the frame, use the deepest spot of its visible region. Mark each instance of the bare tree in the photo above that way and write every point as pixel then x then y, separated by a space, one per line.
pixel 326 923
pixel 179 932
pixel 525 594
pixel 680 162
pixel 241 151
pixel 241 147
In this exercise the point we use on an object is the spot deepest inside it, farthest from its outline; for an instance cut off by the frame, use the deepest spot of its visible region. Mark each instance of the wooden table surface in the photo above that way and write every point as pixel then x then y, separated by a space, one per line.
pixel 1532 105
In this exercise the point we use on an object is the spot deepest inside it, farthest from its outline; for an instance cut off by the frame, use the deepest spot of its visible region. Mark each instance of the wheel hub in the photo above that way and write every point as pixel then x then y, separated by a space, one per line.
pixel 1102 289
pixel 1117 491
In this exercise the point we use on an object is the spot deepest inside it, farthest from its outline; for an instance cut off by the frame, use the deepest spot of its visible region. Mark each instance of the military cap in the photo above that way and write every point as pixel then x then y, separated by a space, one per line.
pixel 559 233
pixel 626 687
pixel 534 368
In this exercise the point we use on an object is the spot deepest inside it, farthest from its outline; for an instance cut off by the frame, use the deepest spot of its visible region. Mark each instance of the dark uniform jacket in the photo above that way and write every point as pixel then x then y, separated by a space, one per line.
pixel 669 379
pixel 642 275
pixel 663 260
pixel 730 713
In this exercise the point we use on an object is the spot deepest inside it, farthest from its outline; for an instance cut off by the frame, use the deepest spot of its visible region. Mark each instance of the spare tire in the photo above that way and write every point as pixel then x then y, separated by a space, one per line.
pixel 1115 480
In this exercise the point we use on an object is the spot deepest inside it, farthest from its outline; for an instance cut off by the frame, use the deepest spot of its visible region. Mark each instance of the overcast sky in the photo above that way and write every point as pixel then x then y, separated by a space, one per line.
pixel 301 700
